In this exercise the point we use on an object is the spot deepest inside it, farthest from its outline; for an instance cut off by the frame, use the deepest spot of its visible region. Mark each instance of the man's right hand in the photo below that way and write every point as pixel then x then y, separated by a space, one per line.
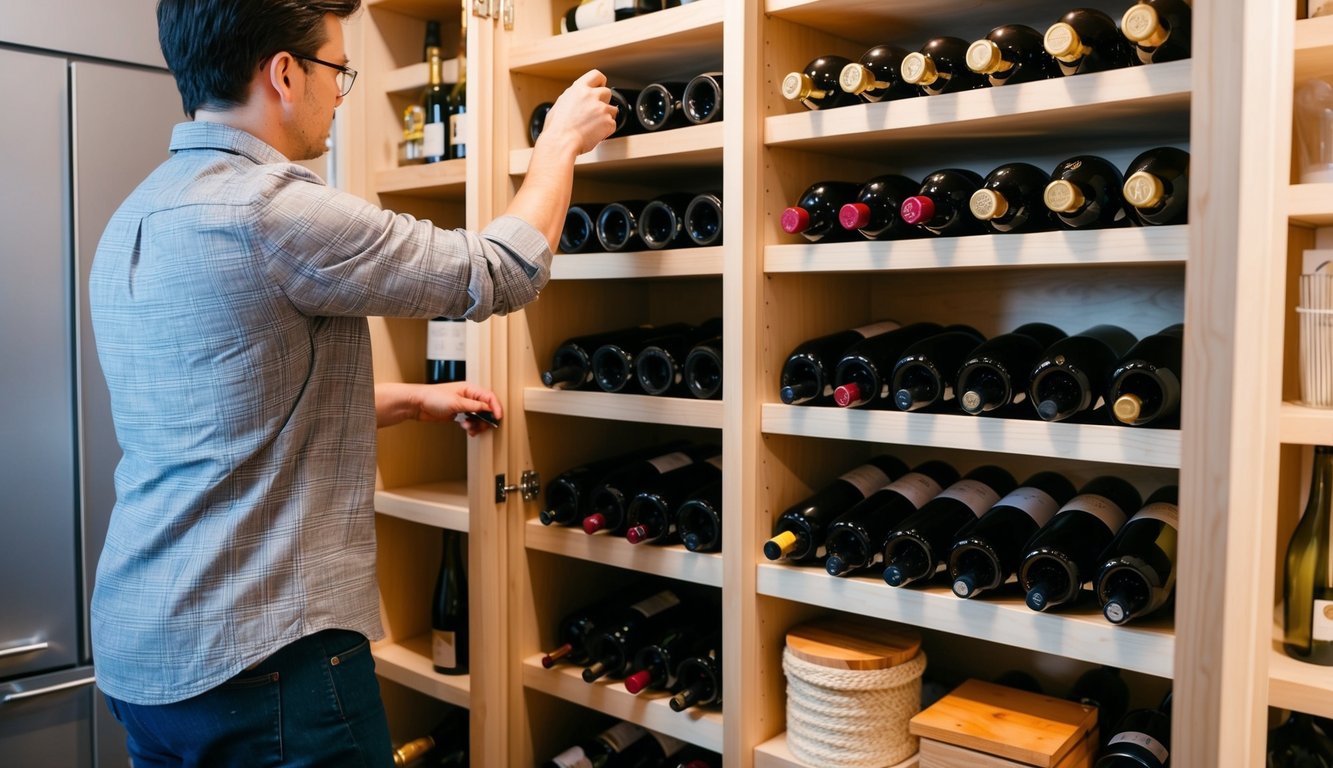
pixel 583 114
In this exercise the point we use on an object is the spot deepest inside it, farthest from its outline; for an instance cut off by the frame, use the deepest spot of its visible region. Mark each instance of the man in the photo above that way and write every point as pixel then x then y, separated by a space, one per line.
pixel 236 591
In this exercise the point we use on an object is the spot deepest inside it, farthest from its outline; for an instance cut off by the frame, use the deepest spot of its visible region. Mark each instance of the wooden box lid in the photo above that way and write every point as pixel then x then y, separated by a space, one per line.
pixel 854 644
pixel 1025 727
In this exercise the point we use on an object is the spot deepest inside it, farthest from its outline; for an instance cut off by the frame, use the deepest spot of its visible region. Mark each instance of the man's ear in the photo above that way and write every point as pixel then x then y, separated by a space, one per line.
pixel 281 73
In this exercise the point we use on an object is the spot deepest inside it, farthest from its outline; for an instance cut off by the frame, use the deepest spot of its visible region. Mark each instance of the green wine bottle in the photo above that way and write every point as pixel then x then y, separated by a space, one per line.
pixel 1307 589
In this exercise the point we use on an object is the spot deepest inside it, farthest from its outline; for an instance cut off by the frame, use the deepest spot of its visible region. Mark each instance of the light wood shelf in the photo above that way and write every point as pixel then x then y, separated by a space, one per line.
pixel 774 753
pixel 409 664
pixel 674 561
pixel 678 262
pixel 685 412
pixel 1296 685
pixel 446 180
pixel 1314 47
pixel 443 505
pixel 1303 425
pixel 697 146
pixel 1308 204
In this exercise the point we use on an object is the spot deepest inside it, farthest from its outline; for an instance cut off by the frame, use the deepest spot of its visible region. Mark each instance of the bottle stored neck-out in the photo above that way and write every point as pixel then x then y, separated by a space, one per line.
pixel 799 532
pixel 809 373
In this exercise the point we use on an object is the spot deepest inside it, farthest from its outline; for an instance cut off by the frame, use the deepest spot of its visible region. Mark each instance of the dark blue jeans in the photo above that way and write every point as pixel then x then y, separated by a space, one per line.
pixel 316 702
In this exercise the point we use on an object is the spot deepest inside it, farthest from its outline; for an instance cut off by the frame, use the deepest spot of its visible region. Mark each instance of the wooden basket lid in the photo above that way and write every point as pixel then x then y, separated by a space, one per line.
pixel 854 644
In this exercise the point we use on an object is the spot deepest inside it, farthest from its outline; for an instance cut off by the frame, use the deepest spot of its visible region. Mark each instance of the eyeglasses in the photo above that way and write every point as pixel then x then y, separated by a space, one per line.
pixel 346 75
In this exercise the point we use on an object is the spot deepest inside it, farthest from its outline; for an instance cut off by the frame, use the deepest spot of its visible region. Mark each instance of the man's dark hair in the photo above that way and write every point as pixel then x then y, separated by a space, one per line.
pixel 214 47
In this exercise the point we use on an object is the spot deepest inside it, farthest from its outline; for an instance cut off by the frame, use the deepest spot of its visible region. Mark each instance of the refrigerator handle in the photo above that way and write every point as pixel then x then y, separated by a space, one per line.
pixel 20 695
pixel 29 648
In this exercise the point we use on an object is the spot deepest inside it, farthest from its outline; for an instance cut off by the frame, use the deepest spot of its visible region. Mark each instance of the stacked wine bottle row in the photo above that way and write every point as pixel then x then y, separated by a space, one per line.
pixel 656 107
pixel 1083 40
pixel 626 745
pixel 984 528
pixel 673 220
pixel 674 360
pixel 1082 192
pixel 595 13
pixel 1033 370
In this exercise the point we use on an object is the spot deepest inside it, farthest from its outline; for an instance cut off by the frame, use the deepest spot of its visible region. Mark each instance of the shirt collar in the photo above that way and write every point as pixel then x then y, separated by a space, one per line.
pixel 205 135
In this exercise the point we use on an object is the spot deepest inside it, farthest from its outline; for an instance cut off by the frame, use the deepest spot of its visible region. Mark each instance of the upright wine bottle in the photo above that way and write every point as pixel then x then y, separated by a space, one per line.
pixel 1010 200
pixel 941 67
pixel 1145 385
pixel 660 365
pixel 1159 30
pixel 654 665
pixel 458 114
pixel 1064 553
pixel 925 374
pixel 571 363
pixel 918 546
pixel 613 362
pixel 941 204
pixel 1157 186
pixel 699 677
pixel 579 234
pixel 1087 40
pixel 1307 588
pixel 799 532
pixel 624 99
pixel 1103 687
pixel 611 498
pixel 864 376
pixel 856 539
pixel 662 222
pixel 877 76
pixel 702 98
pixel 989 550
pixel 432 40
pixel 699 519
pixel 446 350
pixel 1071 377
pixel 815 215
pixel 537 120
pixel 435 103
pixel 703 369
pixel 618 225
pixel 659 106
pixel 624 630
pixel 569 494
pixel 809 373
pixel 816 87
pixel 1141 740
pixel 448 615
pixel 703 219
pixel 1011 54
pixel 875 213
pixel 445 745
pixel 1138 569
pixel 997 373
pixel 1085 192
pixel 651 515
pixel 1299 743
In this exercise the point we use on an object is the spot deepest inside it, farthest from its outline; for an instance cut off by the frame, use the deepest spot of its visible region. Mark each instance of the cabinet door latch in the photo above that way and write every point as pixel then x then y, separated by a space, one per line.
pixel 530 483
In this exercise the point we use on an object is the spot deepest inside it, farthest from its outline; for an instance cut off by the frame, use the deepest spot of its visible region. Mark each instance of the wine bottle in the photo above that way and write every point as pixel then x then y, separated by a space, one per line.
pixel 1087 40
pixel 537 121
pixel 856 539
pixel 920 544
pixel 660 365
pixel 702 98
pixel 1102 687
pixel 1299 743
pixel 941 67
pixel 694 757
pixel 432 40
pixel 571 363
pixel 1141 740
pixel 1011 54
pixel 623 745
pixel 877 76
pixel 659 106
pixel 1010 200
pixel 575 633
pixel 458 137
pixel 989 550
pixel 1307 589
pixel 611 498
pixel 1138 570
pixel 703 369
pixel 875 212
pixel 1157 186
pixel 703 219
pixel 662 222
pixel 618 225
pixel 1071 377
pixel 1159 30
pixel 997 373
pixel 654 665
pixel 651 515
pixel 699 677
pixel 448 615
pixel 815 215
pixel 799 532
pixel 699 519
pixel 446 350
pixel 1145 385
pixel 435 103
pixel 623 630
pixel 808 374
pixel 925 374
pixel 569 493
pixel 816 87
pixel 613 362
pixel 941 205
pixel 624 99
pixel 445 744
pixel 595 13
pixel 579 234
pixel 1086 192
pixel 1064 553
pixel 864 376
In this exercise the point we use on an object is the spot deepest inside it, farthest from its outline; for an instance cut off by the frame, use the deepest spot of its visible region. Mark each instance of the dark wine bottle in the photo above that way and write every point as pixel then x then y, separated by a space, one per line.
pixel 458 114
pixel 1307 588
pixel 1141 740
pixel 1299 743
pixel 1145 385
pixel 800 531
pixel 1087 40
pixel 702 98
pixel 623 745
pixel 446 350
pixel 941 204
pixel 875 213
pixel 659 106
pixel 569 494
pixel 435 103
pixel 574 634
pixel 432 40
pixel 448 614
pixel 1157 186
pixel 613 362
pixel 654 665
pixel 815 215
pixel 864 376
pixel 694 757
pixel 941 67
pixel 856 539
pixel 699 677
pixel 703 369
pixel 926 372
pixel 809 373
pixel 1064 553
pixel 997 373
pixel 579 234
pixel 920 544
pixel 877 75
pixel 652 513
pixel 537 121
pixel 699 519
pixel 816 87
pixel 627 123
pixel 1138 569
pixel 1086 192
pixel 1010 200
pixel 1012 54
pixel 1103 688
pixel 618 225
pixel 989 550
pixel 625 629
pixel 1159 30
pixel 445 745
pixel 703 219
pixel 1071 377
pixel 662 222
pixel 611 498
pixel 660 365
pixel 571 363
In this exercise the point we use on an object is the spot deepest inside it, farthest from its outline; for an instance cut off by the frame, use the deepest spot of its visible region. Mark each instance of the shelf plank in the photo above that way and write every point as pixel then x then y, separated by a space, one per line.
pixel 1083 442
pixel 685 412
pixel 1081 633
pixel 1309 204
pixel 1137 100
pixel 690 146
pixel 409 664
pixel 1130 245
pixel 775 753
pixel 446 179
pixel 443 505
pixel 648 709
pixel 1314 47
pixel 674 562
pixel 1303 425
pixel 678 262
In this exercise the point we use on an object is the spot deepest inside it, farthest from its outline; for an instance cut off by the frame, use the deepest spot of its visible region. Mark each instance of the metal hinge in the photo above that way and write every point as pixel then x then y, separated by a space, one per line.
pixel 530 483
pixel 507 14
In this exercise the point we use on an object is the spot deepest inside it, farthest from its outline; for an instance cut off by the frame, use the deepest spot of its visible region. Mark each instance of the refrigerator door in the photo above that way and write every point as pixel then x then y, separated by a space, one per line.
pixel 47 720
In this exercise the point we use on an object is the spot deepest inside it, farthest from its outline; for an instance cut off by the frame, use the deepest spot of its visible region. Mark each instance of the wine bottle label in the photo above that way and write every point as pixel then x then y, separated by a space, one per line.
pixel 1036 503
pixel 444 648
pixel 717 462
pixel 659 602
pixel 1143 740
pixel 664 464
pixel 1164 511
pixel 1099 507
pixel 1321 624
pixel 573 757
pixel 432 139
pixel 669 745
pixel 866 478
pixel 875 329
pixel 589 14
pixel 916 488
pixel 621 735
pixel 976 495
pixel 457 129
pixel 446 340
